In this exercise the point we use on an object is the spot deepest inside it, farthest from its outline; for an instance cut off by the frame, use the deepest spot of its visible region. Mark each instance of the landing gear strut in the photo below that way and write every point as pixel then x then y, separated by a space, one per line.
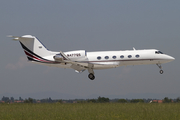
pixel 91 76
pixel 91 72
pixel 161 71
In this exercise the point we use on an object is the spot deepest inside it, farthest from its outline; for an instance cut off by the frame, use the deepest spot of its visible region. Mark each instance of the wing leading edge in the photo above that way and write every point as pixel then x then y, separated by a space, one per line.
pixel 76 65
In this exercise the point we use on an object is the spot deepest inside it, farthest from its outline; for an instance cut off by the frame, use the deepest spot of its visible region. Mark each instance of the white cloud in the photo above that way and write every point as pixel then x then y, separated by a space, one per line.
pixel 21 63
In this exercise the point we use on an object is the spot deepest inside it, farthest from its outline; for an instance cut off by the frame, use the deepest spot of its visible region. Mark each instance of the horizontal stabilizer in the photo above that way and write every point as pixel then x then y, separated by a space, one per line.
pixel 21 37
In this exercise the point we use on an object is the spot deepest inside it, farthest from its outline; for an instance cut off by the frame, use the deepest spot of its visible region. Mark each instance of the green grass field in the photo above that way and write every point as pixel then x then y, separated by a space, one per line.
pixel 90 111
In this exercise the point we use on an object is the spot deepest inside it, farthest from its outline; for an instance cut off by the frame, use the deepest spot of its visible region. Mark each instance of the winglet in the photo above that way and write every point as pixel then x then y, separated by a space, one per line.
pixel 64 56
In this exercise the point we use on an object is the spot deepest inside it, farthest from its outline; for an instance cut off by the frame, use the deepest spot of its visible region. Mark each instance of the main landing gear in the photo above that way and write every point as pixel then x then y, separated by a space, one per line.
pixel 91 76
pixel 161 71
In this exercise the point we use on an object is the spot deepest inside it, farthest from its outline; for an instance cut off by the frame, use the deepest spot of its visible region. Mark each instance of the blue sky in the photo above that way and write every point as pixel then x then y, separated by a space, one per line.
pixel 92 26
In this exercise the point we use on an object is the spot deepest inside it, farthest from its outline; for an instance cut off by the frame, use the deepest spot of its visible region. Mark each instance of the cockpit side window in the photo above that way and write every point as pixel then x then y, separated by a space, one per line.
pixel 158 52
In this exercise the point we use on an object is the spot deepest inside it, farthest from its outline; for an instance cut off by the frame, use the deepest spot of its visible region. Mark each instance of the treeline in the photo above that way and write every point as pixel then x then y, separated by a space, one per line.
pixel 98 100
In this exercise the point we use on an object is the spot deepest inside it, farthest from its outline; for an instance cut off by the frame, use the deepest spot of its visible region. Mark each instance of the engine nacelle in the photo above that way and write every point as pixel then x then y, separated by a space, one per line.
pixel 72 55
pixel 76 55
pixel 58 57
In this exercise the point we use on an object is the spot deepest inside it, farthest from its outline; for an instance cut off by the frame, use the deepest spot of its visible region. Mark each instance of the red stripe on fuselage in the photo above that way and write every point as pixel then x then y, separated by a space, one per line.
pixel 32 56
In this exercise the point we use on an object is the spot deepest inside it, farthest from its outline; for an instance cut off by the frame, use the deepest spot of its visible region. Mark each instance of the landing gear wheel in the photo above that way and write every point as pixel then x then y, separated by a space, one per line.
pixel 161 71
pixel 91 76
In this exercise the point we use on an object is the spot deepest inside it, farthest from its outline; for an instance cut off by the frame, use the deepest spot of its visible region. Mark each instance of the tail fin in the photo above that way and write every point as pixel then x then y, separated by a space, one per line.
pixel 33 48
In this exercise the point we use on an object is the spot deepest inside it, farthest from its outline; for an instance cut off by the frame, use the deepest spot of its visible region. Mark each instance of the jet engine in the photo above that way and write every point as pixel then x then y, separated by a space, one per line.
pixel 58 57
pixel 77 55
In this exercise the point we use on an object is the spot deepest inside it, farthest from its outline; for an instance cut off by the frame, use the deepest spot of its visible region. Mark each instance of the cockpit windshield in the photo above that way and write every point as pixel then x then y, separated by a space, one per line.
pixel 158 52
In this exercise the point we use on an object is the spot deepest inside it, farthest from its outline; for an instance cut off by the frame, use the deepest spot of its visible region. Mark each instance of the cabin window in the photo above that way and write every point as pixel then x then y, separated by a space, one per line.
pixel 122 56
pixel 114 57
pixel 98 57
pixel 106 57
pixel 129 56
pixel 137 56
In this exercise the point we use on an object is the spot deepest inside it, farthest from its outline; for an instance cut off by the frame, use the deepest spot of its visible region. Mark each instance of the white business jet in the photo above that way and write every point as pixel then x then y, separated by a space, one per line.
pixel 80 60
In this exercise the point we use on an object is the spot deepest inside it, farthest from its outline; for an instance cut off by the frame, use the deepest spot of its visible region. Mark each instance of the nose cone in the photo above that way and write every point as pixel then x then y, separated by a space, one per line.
pixel 169 58
pixel 163 58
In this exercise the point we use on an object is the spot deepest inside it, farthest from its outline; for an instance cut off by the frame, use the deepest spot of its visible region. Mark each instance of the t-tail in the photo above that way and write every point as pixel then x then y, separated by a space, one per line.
pixel 34 49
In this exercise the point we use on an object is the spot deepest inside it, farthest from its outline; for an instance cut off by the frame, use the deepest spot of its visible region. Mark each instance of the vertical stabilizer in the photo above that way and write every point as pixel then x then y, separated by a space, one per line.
pixel 34 45
pixel 33 48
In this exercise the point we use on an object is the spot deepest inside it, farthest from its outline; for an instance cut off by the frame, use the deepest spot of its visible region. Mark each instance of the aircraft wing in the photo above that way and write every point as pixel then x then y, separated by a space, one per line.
pixel 64 56
pixel 81 65
pixel 76 65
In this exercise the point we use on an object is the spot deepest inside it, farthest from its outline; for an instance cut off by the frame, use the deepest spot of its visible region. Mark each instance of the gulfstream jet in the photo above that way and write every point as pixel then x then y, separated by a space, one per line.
pixel 80 60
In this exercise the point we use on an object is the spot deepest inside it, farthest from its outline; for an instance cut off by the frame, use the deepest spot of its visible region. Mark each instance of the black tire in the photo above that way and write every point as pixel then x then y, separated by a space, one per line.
pixel 91 76
pixel 161 71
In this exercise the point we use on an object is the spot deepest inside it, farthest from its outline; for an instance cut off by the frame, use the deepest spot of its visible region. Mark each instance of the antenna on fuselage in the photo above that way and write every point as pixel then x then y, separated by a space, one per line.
pixel 134 48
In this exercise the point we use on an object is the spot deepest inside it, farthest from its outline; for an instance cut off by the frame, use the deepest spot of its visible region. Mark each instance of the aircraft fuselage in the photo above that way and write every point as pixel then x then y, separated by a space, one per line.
pixel 80 60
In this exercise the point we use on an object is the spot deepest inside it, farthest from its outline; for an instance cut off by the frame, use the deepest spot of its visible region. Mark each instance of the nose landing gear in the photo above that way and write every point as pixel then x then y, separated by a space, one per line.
pixel 161 71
